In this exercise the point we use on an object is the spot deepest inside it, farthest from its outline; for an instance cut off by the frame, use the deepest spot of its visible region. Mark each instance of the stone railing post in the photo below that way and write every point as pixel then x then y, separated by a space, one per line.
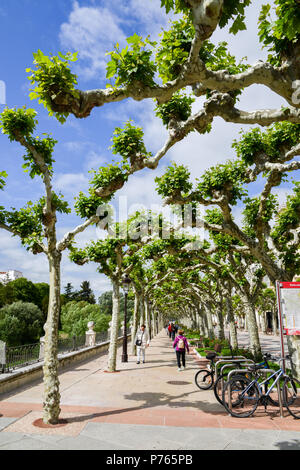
pixel 90 335
pixel 2 355
pixel 42 348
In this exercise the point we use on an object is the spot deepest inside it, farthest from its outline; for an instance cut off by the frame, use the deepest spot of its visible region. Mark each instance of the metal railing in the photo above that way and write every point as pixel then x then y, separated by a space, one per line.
pixel 22 356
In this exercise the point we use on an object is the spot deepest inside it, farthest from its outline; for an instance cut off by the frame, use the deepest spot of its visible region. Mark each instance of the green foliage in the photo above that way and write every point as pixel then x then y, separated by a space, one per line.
pixel 254 143
pixel 252 207
pixel 234 10
pixel 128 142
pixel 133 64
pixel 178 6
pixel 44 147
pixel 278 35
pixel 175 46
pixel 21 323
pixel 175 179
pixel 227 178
pixel 287 220
pixel 54 80
pixel 3 175
pixel 76 315
pixel 20 121
pixel 174 49
pixel 85 293
pixel 108 175
pixel 179 107
pixel 86 205
pixel 25 221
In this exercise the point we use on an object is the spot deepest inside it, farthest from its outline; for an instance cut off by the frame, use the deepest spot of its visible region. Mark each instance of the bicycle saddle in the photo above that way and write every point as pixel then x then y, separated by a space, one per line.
pixel 254 367
pixel 211 356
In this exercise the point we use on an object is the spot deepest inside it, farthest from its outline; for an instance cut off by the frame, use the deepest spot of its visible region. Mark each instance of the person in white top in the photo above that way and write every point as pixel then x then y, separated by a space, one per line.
pixel 142 342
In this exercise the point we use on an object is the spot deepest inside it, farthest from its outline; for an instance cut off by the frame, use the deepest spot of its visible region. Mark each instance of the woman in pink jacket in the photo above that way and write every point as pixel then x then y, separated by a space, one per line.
pixel 181 345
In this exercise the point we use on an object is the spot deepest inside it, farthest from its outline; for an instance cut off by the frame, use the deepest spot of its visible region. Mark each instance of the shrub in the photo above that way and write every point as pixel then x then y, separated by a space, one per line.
pixel 21 323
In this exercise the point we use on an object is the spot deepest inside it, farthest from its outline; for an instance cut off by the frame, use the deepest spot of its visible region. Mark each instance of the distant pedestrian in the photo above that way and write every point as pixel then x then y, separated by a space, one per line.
pixel 172 331
pixel 142 341
pixel 181 345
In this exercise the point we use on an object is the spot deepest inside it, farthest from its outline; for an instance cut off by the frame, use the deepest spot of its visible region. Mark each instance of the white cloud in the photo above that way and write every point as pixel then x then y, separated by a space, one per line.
pixel 71 183
pixel 91 31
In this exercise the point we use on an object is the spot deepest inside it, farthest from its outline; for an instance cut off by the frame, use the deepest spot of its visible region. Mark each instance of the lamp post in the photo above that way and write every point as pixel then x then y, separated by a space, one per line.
pixel 126 281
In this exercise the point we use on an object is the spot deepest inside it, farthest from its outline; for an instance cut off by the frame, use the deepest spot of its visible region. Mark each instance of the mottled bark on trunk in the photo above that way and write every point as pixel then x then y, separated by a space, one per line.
pixel 293 343
pixel 221 333
pixel 263 323
pixel 211 332
pixel 147 315
pixel 252 327
pixel 142 309
pixel 51 405
pixel 135 323
pixel 113 346
pixel 232 327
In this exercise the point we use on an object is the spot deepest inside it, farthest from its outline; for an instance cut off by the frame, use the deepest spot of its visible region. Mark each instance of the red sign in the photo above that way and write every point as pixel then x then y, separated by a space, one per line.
pixel 290 285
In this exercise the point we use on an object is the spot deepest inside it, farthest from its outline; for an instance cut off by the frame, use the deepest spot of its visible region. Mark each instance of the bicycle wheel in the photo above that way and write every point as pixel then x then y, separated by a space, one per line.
pixel 244 396
pixel 204 379
pixel 291 396
pixel 218 387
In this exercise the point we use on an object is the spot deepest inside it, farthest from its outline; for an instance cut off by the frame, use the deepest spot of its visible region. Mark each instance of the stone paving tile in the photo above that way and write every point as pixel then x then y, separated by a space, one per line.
pixel 25 425
pixel 88 443
pixel 4 422
pixel 151 403
pixel 28 443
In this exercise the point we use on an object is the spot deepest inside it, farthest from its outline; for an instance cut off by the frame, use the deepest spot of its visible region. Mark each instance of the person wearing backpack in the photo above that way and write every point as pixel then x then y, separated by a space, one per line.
pixel 181 345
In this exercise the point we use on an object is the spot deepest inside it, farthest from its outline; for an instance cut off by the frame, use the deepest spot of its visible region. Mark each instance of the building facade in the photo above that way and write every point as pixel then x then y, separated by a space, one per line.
pixel 8 276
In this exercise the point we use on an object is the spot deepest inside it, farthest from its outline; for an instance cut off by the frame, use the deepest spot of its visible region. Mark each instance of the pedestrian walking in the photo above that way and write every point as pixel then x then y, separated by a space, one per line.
pixel 170 330
pixel 181 345
pixel 173 331
pixel 142 341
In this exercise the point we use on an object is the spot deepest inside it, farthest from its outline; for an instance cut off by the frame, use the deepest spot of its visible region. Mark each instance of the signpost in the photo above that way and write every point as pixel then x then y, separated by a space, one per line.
pixel 288 301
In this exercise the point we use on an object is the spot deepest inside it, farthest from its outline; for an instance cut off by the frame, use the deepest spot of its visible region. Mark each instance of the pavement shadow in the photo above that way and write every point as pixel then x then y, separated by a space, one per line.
pixel 153 400
pixel 293 444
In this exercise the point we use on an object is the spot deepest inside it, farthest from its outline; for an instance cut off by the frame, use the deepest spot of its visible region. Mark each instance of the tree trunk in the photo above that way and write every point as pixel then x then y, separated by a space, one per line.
pixel 221 334
pixel 264 323
pixel 252 327
pixel 50 369
pixel 211 332
pixel 113 345
pixel 232 327
pixel 135 322
pixel 294 352
pixel 147 315
pixel 142 310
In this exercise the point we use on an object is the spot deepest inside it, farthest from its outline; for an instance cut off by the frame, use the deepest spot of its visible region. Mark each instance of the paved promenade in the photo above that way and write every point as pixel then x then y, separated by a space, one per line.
pixel 148 406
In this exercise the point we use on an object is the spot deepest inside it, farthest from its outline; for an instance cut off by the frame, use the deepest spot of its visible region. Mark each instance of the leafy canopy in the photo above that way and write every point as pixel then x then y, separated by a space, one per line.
pixel 132 64
pixel 53 79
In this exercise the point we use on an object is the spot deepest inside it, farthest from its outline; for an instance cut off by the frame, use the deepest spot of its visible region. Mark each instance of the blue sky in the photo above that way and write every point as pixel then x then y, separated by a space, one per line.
pixel 91 27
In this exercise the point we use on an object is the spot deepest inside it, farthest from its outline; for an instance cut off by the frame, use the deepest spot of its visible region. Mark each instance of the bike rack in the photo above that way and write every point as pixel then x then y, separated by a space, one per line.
pixel 262 370
pixel 231 359
pixel 249 363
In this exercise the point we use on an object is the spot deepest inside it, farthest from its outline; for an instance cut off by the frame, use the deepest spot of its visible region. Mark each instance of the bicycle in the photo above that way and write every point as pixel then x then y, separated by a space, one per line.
pixel 245 394
pixel 205 378
pixel 218 385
